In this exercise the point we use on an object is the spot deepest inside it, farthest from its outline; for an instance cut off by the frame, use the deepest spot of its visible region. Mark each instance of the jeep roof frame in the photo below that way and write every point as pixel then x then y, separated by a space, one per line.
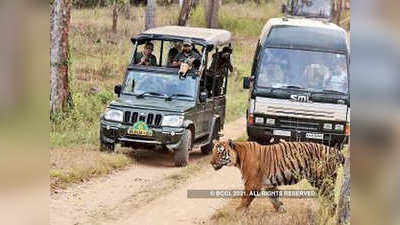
pixel 206 37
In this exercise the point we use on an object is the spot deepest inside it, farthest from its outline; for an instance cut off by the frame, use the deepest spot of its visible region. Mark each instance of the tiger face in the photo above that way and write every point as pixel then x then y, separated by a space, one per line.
pixel 222 154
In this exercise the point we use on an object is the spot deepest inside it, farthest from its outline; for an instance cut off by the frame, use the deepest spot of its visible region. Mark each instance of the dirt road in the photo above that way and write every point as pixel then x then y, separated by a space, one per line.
pixel 151 191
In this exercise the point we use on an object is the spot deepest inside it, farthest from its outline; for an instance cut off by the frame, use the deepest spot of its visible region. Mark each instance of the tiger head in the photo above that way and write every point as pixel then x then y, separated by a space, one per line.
pixel 223 154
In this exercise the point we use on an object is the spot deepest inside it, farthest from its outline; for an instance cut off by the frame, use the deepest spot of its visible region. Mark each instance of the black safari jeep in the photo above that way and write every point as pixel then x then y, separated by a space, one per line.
pixel 161 106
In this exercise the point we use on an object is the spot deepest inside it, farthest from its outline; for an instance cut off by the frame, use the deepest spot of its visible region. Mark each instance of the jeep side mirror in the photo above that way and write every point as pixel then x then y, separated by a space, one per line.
pixel 117 89
pixel 203 96
pixel 284 8
pixel 246 82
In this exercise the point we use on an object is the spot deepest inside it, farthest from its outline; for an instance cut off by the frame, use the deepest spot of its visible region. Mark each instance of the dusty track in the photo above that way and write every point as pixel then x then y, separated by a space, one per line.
pixel 148 192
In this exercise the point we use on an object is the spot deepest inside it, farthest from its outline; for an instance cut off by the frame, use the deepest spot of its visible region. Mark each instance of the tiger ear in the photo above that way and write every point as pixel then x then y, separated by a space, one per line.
pixel 230 142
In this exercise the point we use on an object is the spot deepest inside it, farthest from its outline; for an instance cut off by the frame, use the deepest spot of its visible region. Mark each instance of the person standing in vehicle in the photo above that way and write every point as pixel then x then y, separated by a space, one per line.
pixel 145 57
pixel 173 52
pixel 187 54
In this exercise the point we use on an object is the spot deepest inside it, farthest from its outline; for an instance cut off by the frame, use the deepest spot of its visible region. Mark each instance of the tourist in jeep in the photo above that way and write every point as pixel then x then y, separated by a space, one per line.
pixel 173 52
pixel 146 57
pixel 188 54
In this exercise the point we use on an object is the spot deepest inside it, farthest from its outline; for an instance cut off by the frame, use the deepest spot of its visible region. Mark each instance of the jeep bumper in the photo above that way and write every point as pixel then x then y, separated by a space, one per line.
pixel 114 132
pixel 266 132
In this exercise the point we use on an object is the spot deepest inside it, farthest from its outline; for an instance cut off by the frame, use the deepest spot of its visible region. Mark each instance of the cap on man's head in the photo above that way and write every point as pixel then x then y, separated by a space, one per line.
pixel 187 42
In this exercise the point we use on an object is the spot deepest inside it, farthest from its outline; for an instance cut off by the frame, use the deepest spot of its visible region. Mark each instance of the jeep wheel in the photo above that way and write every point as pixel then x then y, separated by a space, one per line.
pixel 181 155
pixel 106 147
pixel 206 149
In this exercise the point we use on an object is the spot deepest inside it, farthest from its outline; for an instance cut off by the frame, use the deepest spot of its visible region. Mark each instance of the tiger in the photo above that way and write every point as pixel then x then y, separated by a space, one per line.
pixel 265 167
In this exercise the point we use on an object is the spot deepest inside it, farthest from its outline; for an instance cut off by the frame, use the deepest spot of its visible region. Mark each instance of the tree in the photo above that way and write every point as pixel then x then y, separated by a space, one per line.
pixel 117 6
pixel 211 13
pixel 185 11
pixel 343 214
pixel 150 14
pixel 60 16
pixel 115 17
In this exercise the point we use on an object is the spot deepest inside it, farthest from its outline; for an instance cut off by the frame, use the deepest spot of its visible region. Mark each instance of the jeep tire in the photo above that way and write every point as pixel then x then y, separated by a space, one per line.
pixel 107 147
pixel 181 155
pixel 206 149
pixel 104 146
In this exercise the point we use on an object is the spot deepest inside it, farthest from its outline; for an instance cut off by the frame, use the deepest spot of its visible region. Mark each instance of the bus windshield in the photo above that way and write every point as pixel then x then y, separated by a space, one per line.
pixel 310 70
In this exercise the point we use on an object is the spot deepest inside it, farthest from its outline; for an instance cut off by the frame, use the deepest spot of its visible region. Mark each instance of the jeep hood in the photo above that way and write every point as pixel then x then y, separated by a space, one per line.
pixel 152 103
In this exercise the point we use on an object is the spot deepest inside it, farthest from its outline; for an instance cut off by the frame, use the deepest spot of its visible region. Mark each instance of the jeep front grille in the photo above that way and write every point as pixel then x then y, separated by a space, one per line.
pixel 151 119
pixel 293 123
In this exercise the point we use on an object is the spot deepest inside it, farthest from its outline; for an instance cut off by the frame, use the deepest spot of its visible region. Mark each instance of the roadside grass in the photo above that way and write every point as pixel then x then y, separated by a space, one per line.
pixel 245 19
pixel 76 165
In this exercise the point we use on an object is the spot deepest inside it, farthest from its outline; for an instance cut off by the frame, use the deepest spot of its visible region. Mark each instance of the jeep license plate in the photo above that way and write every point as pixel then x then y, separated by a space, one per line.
pixel 140 128
pixel 315 136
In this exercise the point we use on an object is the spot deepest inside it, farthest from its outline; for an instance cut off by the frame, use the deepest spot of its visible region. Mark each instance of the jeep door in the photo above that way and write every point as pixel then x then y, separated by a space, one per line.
pixel 203 116
pixel 220 99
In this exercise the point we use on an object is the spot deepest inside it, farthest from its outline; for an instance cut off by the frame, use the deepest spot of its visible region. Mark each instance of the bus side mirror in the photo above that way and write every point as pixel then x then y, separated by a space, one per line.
pixel 117 89
pixel 246 82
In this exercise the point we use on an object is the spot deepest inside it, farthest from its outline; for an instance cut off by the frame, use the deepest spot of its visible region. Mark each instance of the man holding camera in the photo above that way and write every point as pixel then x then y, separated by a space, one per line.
pixel 145 57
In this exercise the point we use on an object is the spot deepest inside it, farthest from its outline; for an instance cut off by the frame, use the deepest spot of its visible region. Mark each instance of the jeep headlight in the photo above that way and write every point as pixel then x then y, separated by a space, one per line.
pixel 114 115
pixel 172 121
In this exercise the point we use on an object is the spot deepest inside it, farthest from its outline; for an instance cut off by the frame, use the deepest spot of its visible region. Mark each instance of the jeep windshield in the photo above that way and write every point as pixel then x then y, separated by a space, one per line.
pixel 150 84
pixel 300 69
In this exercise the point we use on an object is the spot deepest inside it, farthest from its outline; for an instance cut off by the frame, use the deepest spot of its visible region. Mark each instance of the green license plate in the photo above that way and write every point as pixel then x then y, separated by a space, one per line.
pixel 140 128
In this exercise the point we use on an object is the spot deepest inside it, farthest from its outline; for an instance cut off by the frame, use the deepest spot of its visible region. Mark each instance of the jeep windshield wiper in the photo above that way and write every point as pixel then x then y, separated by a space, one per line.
pixel 292 86
pixel 169 98
pixel 149 93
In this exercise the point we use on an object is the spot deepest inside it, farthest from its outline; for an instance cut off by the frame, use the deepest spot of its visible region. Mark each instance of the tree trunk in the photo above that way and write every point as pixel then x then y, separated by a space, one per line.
pixel 185 11
pixel 126 10
pixel 60 15
pixel 150 14
pixel 115 17
pixel 211 13
pixel 194 4
pixel 343 215
pixel 339 13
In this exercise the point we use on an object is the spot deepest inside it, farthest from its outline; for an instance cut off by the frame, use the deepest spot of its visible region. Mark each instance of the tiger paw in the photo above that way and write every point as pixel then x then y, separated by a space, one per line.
pixel 281 209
